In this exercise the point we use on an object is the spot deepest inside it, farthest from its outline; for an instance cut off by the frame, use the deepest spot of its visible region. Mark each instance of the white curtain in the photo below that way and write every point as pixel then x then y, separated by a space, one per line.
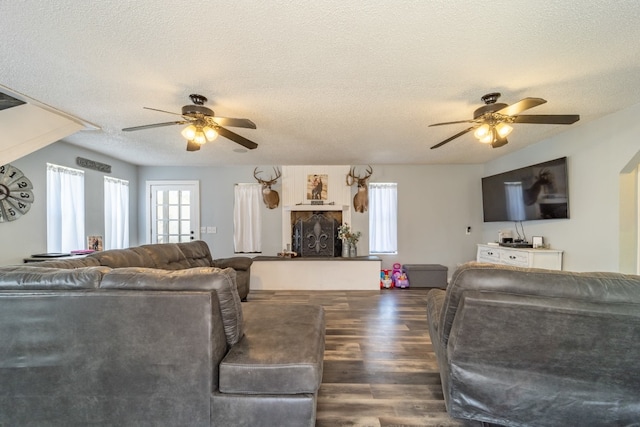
pixel 116 213
pixel 247 222
pixel 65 209
pixel 383 218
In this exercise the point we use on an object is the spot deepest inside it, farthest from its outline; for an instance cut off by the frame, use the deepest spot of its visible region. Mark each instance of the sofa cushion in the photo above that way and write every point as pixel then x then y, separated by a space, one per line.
pixel 281 353
pixel 166 257
pixel 191 279
pixel 31 277
pixel 197 253
pixel 118 258
pixel 68 263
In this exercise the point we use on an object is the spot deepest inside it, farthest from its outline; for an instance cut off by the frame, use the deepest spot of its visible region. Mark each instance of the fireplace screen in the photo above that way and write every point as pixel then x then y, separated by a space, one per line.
pixel 316 236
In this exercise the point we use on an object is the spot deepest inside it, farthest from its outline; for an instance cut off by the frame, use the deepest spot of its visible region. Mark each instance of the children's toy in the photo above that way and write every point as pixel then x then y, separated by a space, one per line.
pixel 385 280
pixel 396 272
pixel 402 281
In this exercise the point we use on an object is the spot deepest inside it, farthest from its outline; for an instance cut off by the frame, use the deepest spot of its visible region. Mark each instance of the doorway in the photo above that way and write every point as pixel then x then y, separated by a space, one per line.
pixel 173 211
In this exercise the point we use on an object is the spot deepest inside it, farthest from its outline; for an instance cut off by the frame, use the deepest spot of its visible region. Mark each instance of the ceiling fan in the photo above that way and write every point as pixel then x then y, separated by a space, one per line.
pixel 203 125
pixel 491 122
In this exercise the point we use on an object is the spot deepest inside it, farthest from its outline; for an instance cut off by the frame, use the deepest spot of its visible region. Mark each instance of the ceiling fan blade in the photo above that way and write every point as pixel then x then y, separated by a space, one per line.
pixel 237 138
pixel 454 137
pixel 192 146
pixel 237 123
pixel 552 119
pixel 162 111
pixel 155 125
pixel 521 105
pixel 452 123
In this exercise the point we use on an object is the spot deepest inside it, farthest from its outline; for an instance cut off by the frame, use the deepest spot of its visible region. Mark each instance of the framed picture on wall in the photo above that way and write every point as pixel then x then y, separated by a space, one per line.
pixel 317 186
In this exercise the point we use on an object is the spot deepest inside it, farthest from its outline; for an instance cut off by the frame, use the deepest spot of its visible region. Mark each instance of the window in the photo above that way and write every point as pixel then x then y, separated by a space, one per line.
pixel 383 218
pixel 247 223
pixel 65 209
pixel 116 213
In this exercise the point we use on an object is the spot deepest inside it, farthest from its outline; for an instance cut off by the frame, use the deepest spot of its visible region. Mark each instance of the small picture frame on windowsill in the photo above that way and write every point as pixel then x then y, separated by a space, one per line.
pixel 538 242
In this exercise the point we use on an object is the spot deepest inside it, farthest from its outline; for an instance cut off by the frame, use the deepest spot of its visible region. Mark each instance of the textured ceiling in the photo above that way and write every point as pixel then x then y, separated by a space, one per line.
pixel 330 82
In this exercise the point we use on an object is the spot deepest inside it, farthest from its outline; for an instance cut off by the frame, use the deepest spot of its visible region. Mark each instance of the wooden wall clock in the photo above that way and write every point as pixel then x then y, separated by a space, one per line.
pixel 16 196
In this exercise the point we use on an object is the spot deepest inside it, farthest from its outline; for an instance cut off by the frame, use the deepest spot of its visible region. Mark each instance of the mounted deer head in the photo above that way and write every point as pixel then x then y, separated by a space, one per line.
pixel 270 197
pixel 361 199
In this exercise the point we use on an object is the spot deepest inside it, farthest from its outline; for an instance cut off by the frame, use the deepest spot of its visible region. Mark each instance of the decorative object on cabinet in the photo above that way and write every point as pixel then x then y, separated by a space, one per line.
pixel 538 242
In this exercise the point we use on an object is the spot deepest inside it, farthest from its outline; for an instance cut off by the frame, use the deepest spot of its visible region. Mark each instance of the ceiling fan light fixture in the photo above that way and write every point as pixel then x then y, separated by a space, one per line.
pixel 210 133
pixel 489 137
pixel 482 132
pixel 199 138
pixel 503 129
pixel 189 133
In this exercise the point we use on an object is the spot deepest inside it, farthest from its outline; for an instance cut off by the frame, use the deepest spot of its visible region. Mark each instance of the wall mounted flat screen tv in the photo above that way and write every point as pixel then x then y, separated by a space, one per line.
pixel 534 192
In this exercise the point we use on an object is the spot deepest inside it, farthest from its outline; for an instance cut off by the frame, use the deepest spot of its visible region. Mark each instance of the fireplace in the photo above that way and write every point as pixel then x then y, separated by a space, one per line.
pixel 315 234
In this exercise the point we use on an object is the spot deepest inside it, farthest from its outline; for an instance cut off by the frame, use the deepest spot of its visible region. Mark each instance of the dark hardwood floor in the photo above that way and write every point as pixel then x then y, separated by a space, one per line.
pixel 379 365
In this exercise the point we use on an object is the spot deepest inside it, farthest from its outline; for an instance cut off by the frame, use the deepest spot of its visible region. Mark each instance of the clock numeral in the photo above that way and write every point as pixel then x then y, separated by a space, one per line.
pixel 25 195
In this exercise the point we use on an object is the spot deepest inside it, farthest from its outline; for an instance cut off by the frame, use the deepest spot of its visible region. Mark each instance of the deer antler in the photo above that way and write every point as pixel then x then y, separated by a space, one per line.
pixel 358 178
pixel 350 175
pixel 272 180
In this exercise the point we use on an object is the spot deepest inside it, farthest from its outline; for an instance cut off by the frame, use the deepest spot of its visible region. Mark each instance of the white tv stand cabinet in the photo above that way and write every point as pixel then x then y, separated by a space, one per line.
pixel 549 259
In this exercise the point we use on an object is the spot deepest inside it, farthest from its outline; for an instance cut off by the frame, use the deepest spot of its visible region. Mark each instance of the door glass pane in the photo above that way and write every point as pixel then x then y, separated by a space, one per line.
pixel 185 211
pixel 174 212
pixel 160 212
pixel 186 227
pixel 173 227
pixel 174 197
pixel 160 225
pixel 185 197
pixel 174 239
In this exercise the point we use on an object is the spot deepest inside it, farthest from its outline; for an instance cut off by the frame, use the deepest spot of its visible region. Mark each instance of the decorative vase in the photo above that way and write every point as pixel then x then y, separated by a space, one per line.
pixel 345 249
pixel 353 250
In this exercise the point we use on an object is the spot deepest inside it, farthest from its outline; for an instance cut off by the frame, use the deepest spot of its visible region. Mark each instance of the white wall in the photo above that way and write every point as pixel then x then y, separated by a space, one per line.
pixel 597 154
pixel 28 235
pixel 436 204
pixel 216 204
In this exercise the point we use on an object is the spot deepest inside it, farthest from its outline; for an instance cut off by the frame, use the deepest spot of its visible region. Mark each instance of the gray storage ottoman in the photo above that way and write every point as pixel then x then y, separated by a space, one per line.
pixel 426 275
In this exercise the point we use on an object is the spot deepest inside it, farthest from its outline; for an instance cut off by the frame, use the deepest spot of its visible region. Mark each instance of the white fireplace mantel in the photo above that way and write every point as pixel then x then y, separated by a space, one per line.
pixel 316 208
pixel 295 194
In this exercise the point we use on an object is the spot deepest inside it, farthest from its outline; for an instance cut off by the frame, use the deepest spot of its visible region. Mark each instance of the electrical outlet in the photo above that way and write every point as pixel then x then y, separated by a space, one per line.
pixel 203 230
pixel 212 230
pixel 468 230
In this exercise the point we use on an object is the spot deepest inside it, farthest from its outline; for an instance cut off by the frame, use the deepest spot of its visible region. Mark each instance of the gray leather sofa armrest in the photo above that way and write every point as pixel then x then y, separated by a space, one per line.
pixel 237 263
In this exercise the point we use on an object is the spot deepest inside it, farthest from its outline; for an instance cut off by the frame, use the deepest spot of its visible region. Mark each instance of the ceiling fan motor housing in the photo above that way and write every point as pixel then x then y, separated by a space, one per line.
pixel 194 110
pixel 489 108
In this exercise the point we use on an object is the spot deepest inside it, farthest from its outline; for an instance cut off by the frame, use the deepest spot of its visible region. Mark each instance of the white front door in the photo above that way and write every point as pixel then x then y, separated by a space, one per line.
pixel 174 211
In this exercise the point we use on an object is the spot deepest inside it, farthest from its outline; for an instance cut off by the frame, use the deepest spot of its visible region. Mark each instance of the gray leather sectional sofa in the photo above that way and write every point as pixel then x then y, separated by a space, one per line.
pixel 527 347
pixel 135 346
pixel 169 256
